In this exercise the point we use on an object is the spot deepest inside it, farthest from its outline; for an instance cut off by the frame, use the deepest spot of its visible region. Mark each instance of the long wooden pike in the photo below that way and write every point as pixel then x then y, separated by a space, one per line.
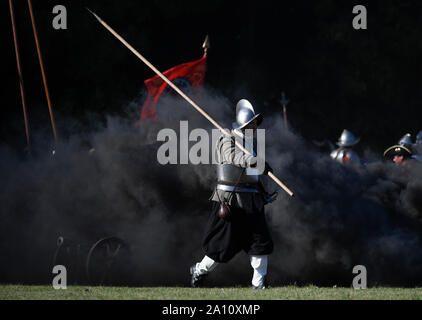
pixel 44 78
pixel 18 63
pixel 172 85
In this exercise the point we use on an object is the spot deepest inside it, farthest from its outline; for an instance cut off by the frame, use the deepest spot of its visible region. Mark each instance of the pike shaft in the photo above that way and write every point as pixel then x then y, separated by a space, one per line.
pixel 15 39
pixel 44 78
pixel 171 84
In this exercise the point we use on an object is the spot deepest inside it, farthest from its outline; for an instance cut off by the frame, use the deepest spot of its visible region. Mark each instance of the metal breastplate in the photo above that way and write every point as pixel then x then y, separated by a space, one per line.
pixel 228 175
pixel 345 155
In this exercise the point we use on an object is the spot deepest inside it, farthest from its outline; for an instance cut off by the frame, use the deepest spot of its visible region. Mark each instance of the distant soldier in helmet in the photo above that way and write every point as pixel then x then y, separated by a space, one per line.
pixel 401 152
pixel 417 147
pixel 406 141
pixel 345 154
pixel 419 138
pixel 238 186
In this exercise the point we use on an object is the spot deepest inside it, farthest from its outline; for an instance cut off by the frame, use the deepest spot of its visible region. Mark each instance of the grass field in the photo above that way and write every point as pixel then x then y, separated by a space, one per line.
pixel 18 292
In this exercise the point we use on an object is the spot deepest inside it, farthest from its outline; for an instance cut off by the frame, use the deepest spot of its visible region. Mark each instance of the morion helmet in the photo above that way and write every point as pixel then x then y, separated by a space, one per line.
pixel 406 141
pixel 245 114
pixel 347 139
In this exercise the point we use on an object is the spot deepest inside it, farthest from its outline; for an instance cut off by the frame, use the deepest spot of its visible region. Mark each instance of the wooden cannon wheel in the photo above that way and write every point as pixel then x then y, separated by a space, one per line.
pixel 104 260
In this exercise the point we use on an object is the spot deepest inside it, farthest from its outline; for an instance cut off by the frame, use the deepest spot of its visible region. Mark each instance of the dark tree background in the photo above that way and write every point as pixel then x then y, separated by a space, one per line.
pixel 368 81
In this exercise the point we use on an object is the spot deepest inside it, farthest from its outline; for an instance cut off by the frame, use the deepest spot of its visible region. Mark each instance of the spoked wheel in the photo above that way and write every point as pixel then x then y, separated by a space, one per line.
pixel 69 254
pixel 107 261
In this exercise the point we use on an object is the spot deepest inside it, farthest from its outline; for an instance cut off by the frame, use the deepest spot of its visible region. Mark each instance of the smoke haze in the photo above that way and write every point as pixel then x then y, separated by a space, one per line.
pixel 341 216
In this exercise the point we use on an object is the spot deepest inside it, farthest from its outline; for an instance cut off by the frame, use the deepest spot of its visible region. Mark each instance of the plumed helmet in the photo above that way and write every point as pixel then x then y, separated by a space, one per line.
pixel 347 139
pixel 245 114
pixel 406 141
pixel 419 137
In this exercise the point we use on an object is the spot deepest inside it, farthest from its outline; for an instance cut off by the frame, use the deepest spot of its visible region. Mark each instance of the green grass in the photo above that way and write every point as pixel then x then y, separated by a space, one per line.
pixel 17 292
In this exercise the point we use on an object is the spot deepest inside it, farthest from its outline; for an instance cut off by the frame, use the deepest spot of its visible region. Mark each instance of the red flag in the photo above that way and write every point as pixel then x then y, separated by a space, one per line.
pixel 186 76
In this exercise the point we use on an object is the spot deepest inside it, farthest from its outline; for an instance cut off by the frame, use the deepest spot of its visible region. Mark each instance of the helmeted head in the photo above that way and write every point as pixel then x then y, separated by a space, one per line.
pixel 347 139
pixel 419 137
pixel 245 114
pixel 406 141
pixel 398 153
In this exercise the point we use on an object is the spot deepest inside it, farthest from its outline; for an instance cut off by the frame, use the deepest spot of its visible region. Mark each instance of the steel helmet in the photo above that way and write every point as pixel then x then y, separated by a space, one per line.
pixel 406 140
pixel 245 114
pixel 347 139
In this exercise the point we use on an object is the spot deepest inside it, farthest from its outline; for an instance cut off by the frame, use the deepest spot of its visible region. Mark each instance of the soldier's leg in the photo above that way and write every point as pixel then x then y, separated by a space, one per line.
pixel 199 270
pixel 205 266
pixel 259 265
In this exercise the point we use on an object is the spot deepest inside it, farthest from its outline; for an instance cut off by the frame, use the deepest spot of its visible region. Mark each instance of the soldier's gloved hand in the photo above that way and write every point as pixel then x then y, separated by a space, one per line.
pixel 267 168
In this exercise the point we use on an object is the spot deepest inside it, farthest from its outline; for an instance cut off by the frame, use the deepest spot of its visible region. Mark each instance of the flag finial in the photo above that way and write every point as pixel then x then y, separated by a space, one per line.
pixel 206 44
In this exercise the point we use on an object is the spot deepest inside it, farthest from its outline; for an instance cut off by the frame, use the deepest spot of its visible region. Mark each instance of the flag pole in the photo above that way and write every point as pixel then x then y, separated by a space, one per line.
pixel 44 78
pixel 18 63
pixel 284 103
pixel 198 108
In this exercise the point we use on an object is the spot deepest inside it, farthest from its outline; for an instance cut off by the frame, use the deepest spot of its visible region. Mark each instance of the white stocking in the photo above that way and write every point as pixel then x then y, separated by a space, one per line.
pixel 206 265
pixel 259 265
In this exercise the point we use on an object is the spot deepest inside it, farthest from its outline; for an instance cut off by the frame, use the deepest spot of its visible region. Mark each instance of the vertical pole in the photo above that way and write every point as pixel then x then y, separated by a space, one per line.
pixel 47 94
pixel 15 39
pixel 284 102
